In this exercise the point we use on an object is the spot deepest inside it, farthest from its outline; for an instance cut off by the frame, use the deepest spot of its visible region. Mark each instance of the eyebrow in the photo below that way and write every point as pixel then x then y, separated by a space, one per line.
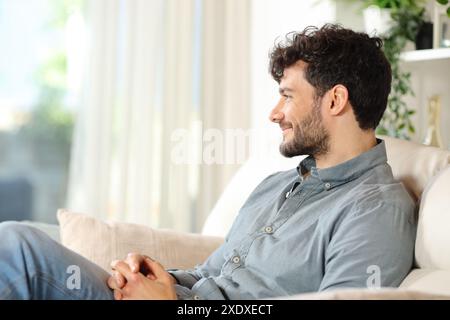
pixel 282 90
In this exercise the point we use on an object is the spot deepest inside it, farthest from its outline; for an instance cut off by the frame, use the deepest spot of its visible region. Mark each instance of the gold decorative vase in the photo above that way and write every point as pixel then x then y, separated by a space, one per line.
pixel 433 134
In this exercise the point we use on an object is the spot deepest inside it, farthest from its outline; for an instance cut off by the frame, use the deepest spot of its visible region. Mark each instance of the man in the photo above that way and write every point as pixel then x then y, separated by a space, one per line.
pixel 337 220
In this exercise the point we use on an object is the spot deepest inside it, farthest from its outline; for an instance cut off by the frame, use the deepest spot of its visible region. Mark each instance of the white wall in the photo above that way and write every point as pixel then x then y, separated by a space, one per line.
pixel 430 78
pixel 272 19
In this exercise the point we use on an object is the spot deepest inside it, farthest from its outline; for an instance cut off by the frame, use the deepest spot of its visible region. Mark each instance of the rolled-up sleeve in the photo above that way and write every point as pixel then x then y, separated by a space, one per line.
pixel 188 278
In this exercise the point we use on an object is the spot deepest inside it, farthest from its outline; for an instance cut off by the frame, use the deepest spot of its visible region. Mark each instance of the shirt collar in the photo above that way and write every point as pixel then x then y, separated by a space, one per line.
pixel 345 171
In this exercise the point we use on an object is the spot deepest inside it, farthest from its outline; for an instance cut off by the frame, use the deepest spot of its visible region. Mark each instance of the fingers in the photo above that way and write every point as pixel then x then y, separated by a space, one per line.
pixel 113 264
pixel 124 270
pixel 112 283
pixel 151 276
pixel 118 295
pixel 137 263
pixel 116 281
pixel 120 279
pixel 134 260
pixel 157 269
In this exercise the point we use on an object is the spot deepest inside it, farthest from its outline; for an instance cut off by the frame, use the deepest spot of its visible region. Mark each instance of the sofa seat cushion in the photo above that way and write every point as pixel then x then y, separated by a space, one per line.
pixel 428 280
pixel 369 294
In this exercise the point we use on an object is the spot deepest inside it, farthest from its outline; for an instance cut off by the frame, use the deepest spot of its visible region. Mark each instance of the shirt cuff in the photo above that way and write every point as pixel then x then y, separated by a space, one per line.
pixel 184 293
pixel 183 277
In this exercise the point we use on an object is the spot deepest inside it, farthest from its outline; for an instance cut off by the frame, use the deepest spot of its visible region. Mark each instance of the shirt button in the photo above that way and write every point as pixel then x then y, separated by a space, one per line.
pixel 236 259
pixel 196 297
pixel 327 185
pixel 268 229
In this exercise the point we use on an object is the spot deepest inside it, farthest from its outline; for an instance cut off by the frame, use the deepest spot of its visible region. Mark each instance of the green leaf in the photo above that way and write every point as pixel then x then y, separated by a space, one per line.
pixel 444 2
pixel 382 130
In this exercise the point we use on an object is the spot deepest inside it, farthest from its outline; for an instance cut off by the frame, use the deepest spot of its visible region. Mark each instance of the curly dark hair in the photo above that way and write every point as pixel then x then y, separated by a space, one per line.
pixel 335 55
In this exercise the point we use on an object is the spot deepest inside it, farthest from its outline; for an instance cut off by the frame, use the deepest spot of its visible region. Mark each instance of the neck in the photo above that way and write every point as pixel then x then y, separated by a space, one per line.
pixel 345 147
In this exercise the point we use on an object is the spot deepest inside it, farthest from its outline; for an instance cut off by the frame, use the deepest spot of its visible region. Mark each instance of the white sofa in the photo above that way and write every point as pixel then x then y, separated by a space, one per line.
pixel 425 171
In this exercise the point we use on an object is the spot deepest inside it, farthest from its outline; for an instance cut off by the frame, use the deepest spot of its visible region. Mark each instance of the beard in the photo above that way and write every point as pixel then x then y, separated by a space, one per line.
pixel 310 137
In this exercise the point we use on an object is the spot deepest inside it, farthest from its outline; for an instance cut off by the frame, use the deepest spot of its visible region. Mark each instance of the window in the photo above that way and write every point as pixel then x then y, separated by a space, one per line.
pixel 40 74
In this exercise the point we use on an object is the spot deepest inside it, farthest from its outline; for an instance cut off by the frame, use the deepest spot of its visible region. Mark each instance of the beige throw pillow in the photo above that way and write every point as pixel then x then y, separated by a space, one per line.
pixel 102 242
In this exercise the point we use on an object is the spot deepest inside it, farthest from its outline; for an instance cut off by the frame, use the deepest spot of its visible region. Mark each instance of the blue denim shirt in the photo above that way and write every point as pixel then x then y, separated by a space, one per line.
pixel 351 225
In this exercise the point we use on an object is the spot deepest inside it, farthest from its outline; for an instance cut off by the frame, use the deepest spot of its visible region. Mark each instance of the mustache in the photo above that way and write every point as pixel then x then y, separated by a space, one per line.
pixel 285 125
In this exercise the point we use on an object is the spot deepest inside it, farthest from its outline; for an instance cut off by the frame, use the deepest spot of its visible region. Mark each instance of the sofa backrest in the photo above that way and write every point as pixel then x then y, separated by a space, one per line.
pixel 413 164
pixel 425 172
pixel 245 180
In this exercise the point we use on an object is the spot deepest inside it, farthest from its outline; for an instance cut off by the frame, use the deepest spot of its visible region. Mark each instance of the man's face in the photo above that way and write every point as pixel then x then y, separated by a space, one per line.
pixel 298 113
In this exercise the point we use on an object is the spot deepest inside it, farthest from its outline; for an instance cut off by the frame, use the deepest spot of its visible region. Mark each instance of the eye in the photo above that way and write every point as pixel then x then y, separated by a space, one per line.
pixel 287 96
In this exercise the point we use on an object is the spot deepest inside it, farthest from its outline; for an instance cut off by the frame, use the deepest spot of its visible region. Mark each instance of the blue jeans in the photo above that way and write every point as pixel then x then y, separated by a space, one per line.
pixel 34 266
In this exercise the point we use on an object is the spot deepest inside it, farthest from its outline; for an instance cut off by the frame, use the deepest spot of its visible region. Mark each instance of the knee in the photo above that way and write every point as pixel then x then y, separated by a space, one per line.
pixel 15 233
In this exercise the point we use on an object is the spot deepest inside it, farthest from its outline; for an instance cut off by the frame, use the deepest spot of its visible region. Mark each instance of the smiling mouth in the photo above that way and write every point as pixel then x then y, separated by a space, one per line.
pixel 285 130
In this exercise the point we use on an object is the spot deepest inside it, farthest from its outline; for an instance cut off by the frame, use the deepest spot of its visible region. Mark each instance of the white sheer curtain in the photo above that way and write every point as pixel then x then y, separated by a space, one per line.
pixel 155 66
pixel 226 87
pixel 271 21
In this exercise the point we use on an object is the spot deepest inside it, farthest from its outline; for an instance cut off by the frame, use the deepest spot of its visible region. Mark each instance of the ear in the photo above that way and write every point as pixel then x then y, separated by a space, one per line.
pixel 338 96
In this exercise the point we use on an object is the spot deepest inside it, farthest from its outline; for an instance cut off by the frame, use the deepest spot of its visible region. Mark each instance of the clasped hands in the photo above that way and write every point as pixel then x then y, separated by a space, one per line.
pixel 139 277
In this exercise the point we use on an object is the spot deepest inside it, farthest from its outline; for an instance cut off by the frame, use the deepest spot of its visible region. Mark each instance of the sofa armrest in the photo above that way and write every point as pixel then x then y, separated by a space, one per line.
pixel 102 242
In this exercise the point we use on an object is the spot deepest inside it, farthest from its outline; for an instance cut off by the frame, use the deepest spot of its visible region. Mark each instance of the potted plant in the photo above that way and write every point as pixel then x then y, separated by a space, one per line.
pixel 445 2
pixel 407 23
pixel 406 18
pixel 377 20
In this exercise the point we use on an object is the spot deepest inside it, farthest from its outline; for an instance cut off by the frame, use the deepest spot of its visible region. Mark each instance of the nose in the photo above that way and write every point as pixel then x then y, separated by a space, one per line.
pixel 277 115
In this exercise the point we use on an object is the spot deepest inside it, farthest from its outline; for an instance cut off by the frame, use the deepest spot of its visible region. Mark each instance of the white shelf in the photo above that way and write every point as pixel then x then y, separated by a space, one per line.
pixel 426 55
